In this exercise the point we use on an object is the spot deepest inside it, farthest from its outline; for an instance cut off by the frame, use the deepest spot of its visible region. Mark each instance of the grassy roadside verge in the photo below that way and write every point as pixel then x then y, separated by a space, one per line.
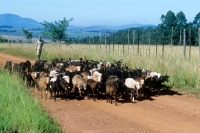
pixel 19 111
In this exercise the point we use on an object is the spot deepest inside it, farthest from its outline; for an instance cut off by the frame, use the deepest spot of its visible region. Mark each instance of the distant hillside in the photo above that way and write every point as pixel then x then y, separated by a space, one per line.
pixel 18 22
pixel 96 28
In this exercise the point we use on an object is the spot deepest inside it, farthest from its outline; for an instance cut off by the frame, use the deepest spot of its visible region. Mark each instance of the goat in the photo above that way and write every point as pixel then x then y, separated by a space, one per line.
pixel 79 82
pixel 73 68
pixel 92 86
pixel 112 89
pixel 8 66
pixel 54 85
pixel 42 83
pixel 132 86
pixel 16 68
pixel 64 83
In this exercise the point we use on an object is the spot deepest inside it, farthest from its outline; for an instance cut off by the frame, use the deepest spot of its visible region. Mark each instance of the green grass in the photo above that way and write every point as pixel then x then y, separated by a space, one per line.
pixel 19 111
pixel 184 73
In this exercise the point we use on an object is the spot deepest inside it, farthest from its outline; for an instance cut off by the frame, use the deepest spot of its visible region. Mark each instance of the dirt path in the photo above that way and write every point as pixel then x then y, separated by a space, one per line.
pixel 168 113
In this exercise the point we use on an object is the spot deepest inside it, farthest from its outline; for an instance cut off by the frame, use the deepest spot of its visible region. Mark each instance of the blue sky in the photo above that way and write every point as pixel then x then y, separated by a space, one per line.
pixel 100 12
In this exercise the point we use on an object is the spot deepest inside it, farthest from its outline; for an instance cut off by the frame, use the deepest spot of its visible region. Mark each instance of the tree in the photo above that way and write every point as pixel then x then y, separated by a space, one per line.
pixel 27 34
pixel 196 21
pixel 181 23
pixel 168 21
pixel 56 30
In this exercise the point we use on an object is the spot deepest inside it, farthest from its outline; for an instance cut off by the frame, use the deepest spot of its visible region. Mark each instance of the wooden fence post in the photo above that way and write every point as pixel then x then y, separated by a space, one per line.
pixel 190 42
pixel 123 41
pixel 149 41
pixel 172 40
pixel 184 44
pixel 128 41
pixel 113 41
pixel 162 43
pixel 133 39
pixel 180 37
pixel 156 42
pixel 199 42
pixel 138 41
pixel 100 39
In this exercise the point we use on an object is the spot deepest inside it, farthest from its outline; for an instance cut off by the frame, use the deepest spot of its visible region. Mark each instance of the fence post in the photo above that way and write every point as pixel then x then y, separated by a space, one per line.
pixel 149 41
pixel 172 40
pixel 138 41
pixel 100 39
pixel 184 44
pixel 190 42
pixel 105 43
pixel 162 43
pixel 156 43
pixel 128 41
pixel 133 39
pixel 109 41
pixel 113 41
pixel 180 37
pixel 199 42
pixel 123 41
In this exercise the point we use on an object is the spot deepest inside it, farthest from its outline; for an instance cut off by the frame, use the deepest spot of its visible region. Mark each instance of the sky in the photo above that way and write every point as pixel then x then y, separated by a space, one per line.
pixel 100 12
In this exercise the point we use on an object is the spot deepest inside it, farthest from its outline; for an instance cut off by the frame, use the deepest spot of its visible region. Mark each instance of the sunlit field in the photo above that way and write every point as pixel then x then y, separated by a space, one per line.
pixel 168 60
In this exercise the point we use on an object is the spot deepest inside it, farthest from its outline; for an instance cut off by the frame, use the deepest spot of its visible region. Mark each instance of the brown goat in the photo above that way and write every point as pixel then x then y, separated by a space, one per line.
pixel 93 86
pixel 73 68
pixel 79 82
pixel 42 83
pixel 112 89
pixel 85 75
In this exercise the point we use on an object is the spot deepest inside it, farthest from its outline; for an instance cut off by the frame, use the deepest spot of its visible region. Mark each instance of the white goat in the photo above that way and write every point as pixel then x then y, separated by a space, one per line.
pixel 133 85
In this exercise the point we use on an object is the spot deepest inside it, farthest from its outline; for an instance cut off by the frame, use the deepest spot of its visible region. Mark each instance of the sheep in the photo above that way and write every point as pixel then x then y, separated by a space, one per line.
pixel 112 89
pixel 93 86
pixel 42 83
pixel 79 82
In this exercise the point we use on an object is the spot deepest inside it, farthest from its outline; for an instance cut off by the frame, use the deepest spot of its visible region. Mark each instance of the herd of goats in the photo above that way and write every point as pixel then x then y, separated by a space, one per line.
pixel 82 77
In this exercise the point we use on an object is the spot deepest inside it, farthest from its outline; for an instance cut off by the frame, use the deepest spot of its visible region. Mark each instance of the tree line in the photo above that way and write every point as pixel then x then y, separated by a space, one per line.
pixel 170 30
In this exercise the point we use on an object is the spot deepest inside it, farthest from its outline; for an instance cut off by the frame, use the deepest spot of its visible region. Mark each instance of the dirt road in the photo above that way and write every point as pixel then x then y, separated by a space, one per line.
pixel 169 113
